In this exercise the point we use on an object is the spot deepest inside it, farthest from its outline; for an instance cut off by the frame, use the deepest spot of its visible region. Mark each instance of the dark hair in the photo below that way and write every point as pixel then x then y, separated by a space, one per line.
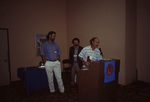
pixel 50 33
pixel 75 39
pixel 93 40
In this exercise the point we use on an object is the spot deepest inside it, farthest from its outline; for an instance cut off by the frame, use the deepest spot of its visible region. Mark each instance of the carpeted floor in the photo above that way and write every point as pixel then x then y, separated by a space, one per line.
pixel 137 91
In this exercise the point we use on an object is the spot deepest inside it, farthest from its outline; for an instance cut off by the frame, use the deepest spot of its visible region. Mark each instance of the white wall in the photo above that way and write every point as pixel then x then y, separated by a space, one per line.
pixel 143 38
pixel 26 18
pixel 130 41
pixel 102 18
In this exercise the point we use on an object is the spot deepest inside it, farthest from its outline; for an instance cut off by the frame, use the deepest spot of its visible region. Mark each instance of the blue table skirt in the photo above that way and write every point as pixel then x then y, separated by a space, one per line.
pixel 33 78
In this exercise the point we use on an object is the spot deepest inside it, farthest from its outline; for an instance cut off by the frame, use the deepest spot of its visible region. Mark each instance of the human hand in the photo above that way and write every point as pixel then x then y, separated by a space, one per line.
pixel 87 63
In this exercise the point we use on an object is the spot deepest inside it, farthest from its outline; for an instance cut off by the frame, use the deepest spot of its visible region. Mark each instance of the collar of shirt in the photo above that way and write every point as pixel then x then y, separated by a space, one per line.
pixel 96 49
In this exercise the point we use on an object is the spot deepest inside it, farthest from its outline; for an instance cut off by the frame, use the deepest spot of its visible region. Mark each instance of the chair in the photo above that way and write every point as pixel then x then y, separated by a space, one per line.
pixel 66 65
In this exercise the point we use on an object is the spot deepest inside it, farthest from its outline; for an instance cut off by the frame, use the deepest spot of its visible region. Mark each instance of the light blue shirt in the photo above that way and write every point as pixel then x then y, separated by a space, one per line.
pixel 50 50
pixel 87 51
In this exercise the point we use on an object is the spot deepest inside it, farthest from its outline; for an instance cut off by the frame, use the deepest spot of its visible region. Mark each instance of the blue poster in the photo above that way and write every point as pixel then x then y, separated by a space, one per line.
pixel 109 70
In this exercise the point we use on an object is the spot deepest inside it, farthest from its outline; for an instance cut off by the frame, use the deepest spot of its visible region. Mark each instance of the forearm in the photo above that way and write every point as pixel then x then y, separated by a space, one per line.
pixel 44 59
pixel 85 62
pixel 59 58
pixel 82 60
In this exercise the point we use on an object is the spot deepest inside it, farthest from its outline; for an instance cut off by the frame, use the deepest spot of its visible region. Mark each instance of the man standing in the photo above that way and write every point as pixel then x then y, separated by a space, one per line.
pixel 91 53
pixel 75 62
pixel 51 57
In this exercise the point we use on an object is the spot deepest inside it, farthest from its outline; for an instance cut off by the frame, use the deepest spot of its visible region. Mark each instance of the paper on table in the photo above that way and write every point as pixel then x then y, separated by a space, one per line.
pixel 106 59
pixel 41 67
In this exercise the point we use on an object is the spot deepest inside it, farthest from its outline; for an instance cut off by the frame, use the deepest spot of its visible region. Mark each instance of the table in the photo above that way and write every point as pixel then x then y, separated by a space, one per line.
pixel 33 78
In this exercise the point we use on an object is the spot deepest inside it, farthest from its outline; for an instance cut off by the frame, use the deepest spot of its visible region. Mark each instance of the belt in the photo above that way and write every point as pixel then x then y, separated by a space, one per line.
pixel 51 60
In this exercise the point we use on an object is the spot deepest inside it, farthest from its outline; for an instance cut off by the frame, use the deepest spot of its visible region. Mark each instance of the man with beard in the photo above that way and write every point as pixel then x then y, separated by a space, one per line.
pixel 51 56
pixel 75 62
pixel 90 53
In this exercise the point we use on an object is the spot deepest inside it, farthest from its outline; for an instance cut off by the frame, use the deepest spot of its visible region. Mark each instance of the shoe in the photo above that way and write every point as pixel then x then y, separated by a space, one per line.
pixel 62 92
pixel 52 92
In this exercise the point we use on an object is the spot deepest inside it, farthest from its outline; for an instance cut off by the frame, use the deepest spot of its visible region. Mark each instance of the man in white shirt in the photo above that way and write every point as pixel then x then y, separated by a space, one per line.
pixel 91 51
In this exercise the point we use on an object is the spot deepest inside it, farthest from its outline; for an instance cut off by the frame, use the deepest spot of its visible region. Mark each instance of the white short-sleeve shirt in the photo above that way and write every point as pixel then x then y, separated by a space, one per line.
pixel 87 51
